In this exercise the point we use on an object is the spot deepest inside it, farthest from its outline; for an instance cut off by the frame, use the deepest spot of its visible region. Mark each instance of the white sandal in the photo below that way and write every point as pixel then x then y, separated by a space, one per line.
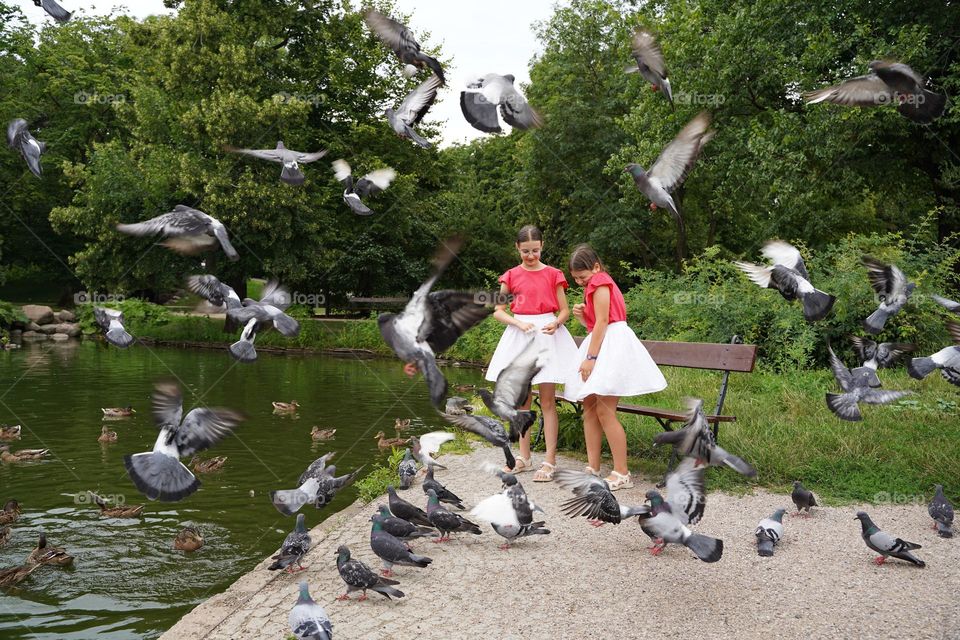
pixel 619 481
pixel 544 475
pixel 591 471
pixel 522 465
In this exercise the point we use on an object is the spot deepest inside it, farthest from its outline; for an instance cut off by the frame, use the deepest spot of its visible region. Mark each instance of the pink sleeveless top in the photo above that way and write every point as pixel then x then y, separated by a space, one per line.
pixel 618 308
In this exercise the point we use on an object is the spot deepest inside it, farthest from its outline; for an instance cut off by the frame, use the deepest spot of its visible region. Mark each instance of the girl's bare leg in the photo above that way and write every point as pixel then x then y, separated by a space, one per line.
pixel 613 430
pixel 592 432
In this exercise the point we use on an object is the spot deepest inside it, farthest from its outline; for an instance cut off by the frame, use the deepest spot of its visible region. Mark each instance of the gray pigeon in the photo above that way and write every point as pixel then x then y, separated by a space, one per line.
pixel 407 470
pixel 213 291
pixel 513 388
pixel 187 231
pixel 442 493
pixel 256 316
pixel 398 37
pixel 856 386
pixel 159 474
pixel 110 322
pixel 769 531
pixel 360 577
pixel 55 11
pixel 446 522
pixel 369 185
pixel 686 499
pixel 295 546
pixel 662 523
pixel 946 303
pixel 318 485
pixel 20 138
pixel 487 428
pixel 501 512
pixel 290 159
pixel 650 63
pixel 593 499
pixel 802 498
pixel 941 511
pixel 672 166
pixel 696 439
pixel 403 509
pixel 892 288
pixel 308 620
pixel 399 527
pixel 885 544
pixel 412 109
pixel 480 101
pixel 887 83
pixel 880 355
pixel 432 321
pixel 947 360
pixel 789 276
pixel 393 550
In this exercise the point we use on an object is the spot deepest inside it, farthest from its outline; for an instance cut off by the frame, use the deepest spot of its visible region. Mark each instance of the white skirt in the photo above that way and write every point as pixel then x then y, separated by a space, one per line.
pixel 623 367
pixel 563 350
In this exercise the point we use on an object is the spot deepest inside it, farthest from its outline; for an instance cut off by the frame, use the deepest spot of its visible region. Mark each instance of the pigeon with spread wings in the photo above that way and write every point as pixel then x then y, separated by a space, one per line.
pixel 20 138
pixel 369 185
pixel 186 230
pixel 650 64
pixel 480 101
pixel 412 109
pixel 789 276
pixel 398 37
pixel 256 316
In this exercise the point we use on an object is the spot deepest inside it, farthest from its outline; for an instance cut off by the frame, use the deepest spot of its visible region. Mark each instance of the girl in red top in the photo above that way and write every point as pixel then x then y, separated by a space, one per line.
pixel 539 310
pixel 612 363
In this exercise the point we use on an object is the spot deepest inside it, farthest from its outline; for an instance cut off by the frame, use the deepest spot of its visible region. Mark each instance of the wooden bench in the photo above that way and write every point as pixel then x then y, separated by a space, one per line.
pixel 734 356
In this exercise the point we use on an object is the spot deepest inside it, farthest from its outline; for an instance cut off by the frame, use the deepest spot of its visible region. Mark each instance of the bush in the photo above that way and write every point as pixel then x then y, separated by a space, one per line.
pixel 9 314
pixel 137 315
pixel 375 483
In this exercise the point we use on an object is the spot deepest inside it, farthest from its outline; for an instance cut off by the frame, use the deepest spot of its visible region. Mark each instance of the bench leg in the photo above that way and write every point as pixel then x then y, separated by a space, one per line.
pixel 666 424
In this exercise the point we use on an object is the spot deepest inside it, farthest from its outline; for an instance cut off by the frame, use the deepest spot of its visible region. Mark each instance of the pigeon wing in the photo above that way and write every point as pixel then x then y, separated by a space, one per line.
pixel 375 182
pixel 430 442
pixel 271 155
pixel 418 101
pixel 686 491
pixel 204 427
pixel 450 315
pixel 678 157
pixel 864 91
pixel 479 112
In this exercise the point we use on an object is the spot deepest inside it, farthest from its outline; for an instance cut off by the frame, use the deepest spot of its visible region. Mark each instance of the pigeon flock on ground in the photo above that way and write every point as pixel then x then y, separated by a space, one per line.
pixel 432 321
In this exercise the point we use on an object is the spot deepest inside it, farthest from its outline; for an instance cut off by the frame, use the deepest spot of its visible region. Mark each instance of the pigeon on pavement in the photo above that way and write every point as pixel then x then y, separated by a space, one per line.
pixel 308 620
pixel 769 531
pixel 941 510
pixel 400 527
pixel 360 577
pixel 295 546
pixel 393 550
pixel 442 493
pixel 407 470
pixel 885 544
pixel 446 522
pixel 500 511
pixel 409 512
pixel 802 498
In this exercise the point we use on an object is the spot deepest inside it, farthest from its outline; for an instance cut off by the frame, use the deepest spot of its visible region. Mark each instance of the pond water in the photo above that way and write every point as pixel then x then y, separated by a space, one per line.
pixel 127 581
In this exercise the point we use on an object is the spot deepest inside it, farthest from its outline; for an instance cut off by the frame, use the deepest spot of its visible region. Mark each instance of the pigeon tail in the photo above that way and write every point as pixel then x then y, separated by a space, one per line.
pixel 944 530
pixel 923 110
pixel 920 368
pixel 817 305
pixel 286 325
pixel 119 338
pixel 160 477
pixel 416 137
pixel 418 561
pixel 844 406
pixel 707 549
pixel 243 351
pixel 764 545
pixel 875 321
pixel 292 176
pixel 387 591
pixel 740 465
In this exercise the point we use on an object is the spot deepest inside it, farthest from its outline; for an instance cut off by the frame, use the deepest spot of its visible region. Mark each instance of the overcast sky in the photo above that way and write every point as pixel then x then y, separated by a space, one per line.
pixel 482 36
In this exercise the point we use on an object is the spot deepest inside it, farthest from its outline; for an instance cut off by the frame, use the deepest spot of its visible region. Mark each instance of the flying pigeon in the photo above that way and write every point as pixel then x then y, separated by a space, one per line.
pixel 398 37
pixel 213 291
pixel 650 63
pixel 946 303
pixel 672 166
pixel 665 525
pixel 258 316
pixel 412 109
pixel 887 83
pixel 499 510
pixel 856 386
pixel 393 550
pixel 789 276
pixel 442 493
pixel 802 498
pixel 290 159
pixel 445 521
pixel 885 544
pixel 399 527
pixel 880 355
pixel 696 439
pixel 369 185
pixel 317 485
pixel 427 445
pixel 941 511
pixel 295 546
pixel 513 388
pixel 593 499
pixel 308 620
pixel 110 322
pixel 487 428
pixel 55 11
pixel 947 359
pixel 187 231
pixel 433 320
pixel 159 474
pixel 407 470
pixel 403 509
pixel 360 577
pixel 769 531
pixel 479 104
pixel 892 288
pixel 20 138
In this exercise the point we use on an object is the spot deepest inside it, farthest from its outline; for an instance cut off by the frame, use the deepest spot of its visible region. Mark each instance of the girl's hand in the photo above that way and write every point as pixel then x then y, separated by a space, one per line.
pixel 550 328
pixel 578 311
pixel 526 327
pixel 411 369
pixel 586 368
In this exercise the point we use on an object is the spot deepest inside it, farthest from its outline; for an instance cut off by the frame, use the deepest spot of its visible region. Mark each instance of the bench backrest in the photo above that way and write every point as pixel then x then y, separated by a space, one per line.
pixel 700 355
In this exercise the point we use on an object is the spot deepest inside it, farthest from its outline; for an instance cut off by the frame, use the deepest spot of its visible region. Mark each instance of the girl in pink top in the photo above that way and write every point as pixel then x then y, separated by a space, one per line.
pixel 539 310
pixel 612 363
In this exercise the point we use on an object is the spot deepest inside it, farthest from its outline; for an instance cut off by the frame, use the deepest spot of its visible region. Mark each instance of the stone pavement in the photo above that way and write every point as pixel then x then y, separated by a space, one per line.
pixel 581 582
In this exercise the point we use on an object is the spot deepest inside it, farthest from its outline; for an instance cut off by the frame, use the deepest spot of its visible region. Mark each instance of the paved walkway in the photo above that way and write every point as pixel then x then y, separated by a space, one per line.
pixel 581 582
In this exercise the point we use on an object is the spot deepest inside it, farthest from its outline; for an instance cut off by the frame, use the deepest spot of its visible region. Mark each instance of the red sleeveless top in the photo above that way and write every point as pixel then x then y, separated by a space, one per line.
pixel 618 308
